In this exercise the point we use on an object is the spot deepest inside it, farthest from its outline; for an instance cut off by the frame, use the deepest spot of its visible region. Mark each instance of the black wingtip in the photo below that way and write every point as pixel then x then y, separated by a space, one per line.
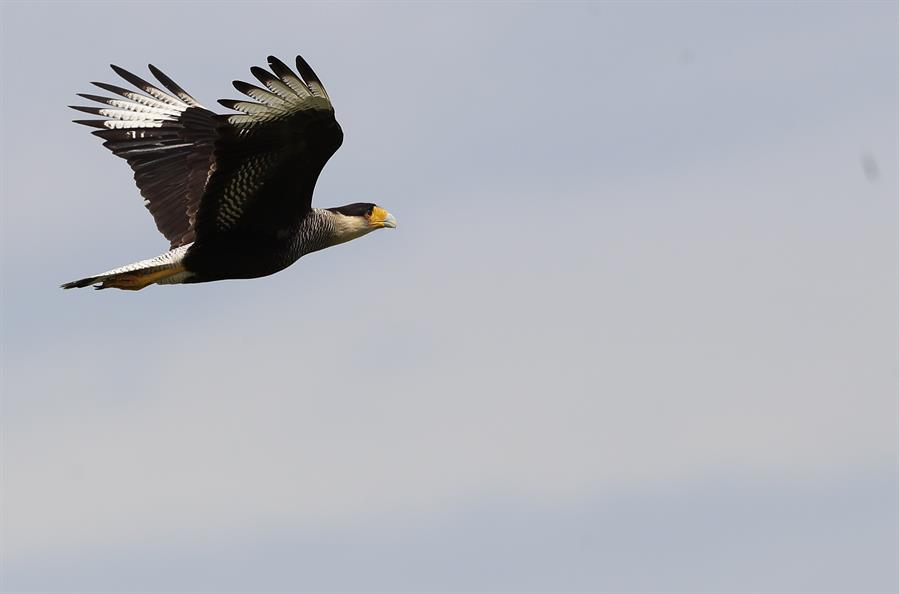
pixel 280 68
pixel 275 62
pixel 261 73
pixel 132 78
pixel 96 98
pixel 110 88
pixel 246 88
pixel 170 84
pixel 125 74
pixel 305 69
pixel 159 74
pixel 91 123
pixel 90 110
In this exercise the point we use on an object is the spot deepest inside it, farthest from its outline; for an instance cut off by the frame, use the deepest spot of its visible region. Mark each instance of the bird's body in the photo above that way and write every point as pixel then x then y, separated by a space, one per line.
pixel 232 193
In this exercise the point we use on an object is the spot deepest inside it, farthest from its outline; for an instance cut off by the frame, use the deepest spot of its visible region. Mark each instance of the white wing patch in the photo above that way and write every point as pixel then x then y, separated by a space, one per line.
pixel 136 110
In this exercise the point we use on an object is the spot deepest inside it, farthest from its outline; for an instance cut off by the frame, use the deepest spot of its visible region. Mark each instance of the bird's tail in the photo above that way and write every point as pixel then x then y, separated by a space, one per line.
pixel 132 280
pixel 163 269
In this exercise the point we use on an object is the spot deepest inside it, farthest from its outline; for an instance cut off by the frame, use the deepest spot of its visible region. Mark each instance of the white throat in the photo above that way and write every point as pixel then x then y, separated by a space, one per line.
pixel 348 228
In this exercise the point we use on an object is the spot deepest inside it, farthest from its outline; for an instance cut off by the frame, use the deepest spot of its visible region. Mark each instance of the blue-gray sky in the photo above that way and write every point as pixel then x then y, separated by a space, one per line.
pixel 637 330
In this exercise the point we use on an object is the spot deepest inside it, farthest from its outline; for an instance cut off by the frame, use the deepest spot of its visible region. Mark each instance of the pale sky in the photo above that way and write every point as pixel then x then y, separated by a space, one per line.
pixel 636 331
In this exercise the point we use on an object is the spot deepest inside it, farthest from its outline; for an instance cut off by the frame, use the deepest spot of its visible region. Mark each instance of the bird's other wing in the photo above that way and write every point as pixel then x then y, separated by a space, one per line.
pixel 268 158
pixel 167 138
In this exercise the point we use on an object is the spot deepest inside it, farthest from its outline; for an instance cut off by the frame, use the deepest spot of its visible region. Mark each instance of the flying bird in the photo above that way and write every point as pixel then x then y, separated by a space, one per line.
pixel 231 192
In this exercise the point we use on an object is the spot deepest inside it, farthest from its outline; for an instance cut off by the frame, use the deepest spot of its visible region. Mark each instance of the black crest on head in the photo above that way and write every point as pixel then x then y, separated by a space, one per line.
pixel 358 209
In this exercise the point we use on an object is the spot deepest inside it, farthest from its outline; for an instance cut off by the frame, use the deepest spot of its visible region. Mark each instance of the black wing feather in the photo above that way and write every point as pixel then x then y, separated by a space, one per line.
pixel 268 159
pixel 204 175
pixel 167 140
pixel 172 86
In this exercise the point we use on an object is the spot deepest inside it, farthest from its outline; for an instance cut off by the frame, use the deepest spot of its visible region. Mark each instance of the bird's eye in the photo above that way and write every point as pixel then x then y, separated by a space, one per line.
pixel 370 211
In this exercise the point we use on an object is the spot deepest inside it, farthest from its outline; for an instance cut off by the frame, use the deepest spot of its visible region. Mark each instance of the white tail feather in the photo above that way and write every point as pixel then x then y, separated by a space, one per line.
pixel 164 269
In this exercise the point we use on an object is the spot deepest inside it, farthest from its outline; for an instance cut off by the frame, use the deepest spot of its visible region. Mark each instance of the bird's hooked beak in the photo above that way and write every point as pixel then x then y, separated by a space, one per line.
pixel 380 218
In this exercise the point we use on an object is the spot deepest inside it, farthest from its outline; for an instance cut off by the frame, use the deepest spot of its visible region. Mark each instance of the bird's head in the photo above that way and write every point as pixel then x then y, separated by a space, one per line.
pixel 355 220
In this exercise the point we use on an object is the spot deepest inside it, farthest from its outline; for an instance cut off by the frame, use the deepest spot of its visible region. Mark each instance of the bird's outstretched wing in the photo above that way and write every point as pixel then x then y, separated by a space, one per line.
pixel 267 159
pixel 167 139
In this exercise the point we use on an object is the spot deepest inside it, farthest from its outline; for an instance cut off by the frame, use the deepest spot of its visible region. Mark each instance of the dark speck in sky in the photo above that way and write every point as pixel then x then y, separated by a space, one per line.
pixel 870 167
